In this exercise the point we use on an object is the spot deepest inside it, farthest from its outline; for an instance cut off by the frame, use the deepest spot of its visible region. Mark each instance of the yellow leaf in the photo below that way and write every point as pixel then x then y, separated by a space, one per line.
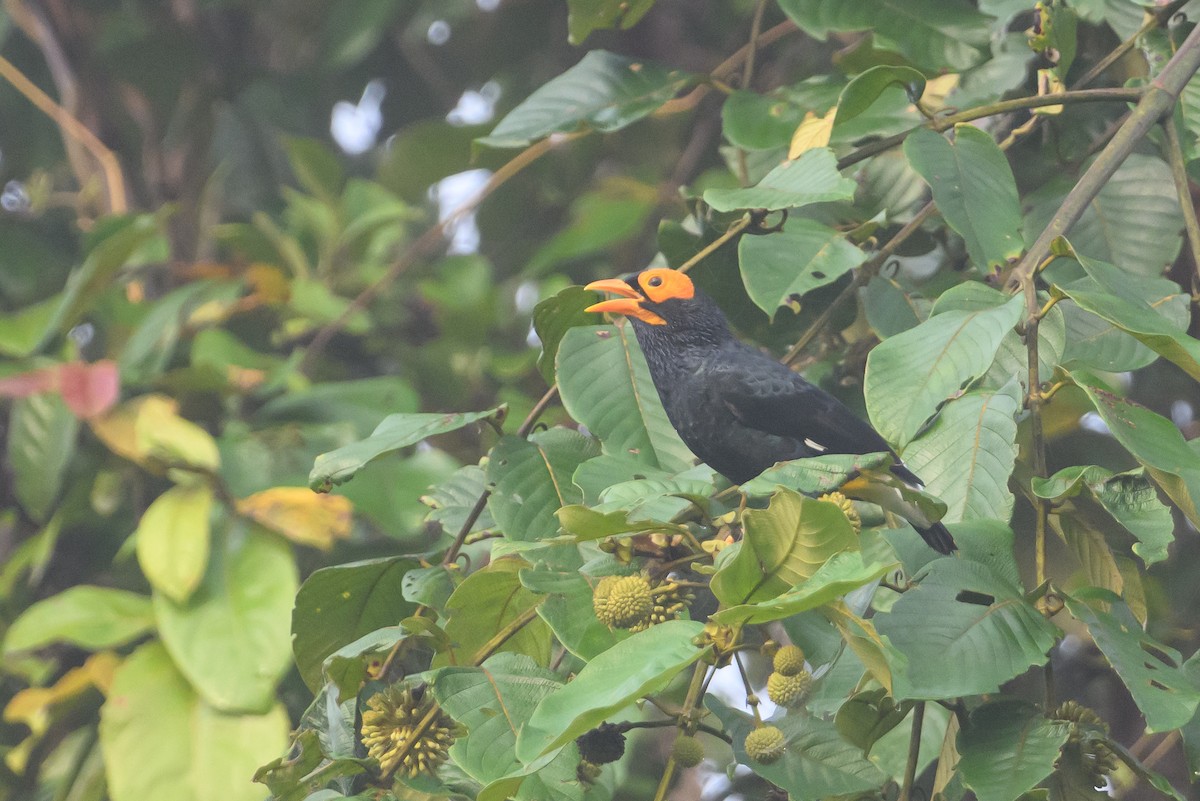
pixel 33 705
pixel 862 638
pixel 149 431
pixel 300 514
pixel 813 132
pixel 936 90
pixel 173 539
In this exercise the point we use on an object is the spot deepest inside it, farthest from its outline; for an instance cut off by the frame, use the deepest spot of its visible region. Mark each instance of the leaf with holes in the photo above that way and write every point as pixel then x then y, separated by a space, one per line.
pixel 967 455
pixel 606 386
pixel 912 373
pixel 783 545
pixel 532 481
pixel 1165 693
pixel 811 178
pixel 603 92
pixel 778 269
pixel 969 612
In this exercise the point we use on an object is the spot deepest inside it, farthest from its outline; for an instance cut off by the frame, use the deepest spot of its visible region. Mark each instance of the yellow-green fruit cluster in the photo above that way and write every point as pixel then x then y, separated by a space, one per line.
pixel 389 731
pixel 788 690
pixel 788 660
pixel 623 602
pixel 847 507
pixel 669 601
pixel 687 751
pixel 765 744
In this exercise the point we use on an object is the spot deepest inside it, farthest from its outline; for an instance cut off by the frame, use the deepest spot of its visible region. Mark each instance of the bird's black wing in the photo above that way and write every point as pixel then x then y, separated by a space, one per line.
pixel 766 396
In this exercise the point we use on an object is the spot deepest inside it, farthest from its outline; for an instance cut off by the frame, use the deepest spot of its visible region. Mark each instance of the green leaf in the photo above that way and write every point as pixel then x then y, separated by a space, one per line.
pixel 493 702
pixel 753 121
pixel 489 600
pixel 89 617
pixel 866 87
pixel 644 664
pixel 930 33
pixel 346 668
pixel 430 586
pixel 815 475
pixel 569 611
pixel 867 716
pixel 811 178
pixel 782 546
pixel 314 165
pixel 974 189
pixel 817 764
pixel 337 605
pixel 1152 671
pixel 1153 440
pixel 231 638
pixel 161 740
pixel 843 573
pixel 967 454
pixel 41 443
pixel 778 269
pixel 362 402
pixel 532 481
pixel 23 329
pixel 891 308
pixel 659 498
pixel 1007 748
pixel 553 317
pixel 969 612
pixel 1134 222
pixel 589 15
pixel 173 540
pixel 395 432
pixel 453 499
pixel 606 386
pixel 603 92
pixel 601 219
pixel 912 373
pixel 588 524
pixel 1118 303
pixel 1123 508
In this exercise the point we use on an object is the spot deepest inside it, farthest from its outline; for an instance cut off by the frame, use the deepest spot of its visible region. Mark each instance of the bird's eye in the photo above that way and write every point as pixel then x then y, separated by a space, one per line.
pixel 655 281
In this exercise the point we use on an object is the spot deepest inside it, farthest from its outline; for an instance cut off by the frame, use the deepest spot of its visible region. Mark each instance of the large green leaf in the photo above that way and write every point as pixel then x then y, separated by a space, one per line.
pixel 974 189
pixel 1097 344
pixel 532 481
pixel 930 33
pixel 912 373
pixel 452 500
pixel 817 764
pixel 606 386
pixel 553 317
pixel 1153 440
pixel 778 269
pixel 891 308
pixel 90 617
pixel 811 178
pixel 844 572
pixel 1134 222
pixel 589 15
pixel 173 540
pixel 866 87
pixel 603 92
pixel 395 432
pixel 488 601
pixel 1123 508
pixel 641 665
pixel 815 475
pixel 969 612
pixel 41 441
pixel 1152 671
pixel 781 547
pixel 337 605
pixel 161 740
pixel 967 455
pixel 1117 302
pixel 231 638
pixel 1007 748
pixel 569 611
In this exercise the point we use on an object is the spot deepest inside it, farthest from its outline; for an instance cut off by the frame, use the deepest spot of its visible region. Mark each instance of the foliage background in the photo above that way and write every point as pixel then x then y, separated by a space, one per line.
pixel 223 226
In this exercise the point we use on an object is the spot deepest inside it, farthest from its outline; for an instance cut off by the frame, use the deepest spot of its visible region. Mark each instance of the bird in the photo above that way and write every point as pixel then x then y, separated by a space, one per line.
pixel 739 410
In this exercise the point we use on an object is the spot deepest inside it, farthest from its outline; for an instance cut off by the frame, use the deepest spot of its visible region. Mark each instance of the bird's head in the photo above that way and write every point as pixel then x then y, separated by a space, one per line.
pixel 656 297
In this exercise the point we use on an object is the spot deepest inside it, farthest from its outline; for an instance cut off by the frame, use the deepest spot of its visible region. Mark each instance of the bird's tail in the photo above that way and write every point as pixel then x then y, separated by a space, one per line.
pixel 938 538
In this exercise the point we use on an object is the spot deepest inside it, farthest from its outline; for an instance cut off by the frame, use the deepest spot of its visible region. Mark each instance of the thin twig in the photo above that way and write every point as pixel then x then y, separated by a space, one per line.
pixel 1154 20
pixel 914 751
pixel 747 75
pixel 686 724
pixel 1158 99
pixel 1162 749
pixel 114 179
pixel 1184 190
pixel 716 244
pixel 504 635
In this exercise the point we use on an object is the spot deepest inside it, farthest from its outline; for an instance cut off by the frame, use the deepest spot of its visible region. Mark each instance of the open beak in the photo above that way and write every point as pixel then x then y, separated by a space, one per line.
pixel 629 303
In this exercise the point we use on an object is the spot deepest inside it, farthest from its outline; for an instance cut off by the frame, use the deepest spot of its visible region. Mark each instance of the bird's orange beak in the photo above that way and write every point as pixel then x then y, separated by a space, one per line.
pixel 629 304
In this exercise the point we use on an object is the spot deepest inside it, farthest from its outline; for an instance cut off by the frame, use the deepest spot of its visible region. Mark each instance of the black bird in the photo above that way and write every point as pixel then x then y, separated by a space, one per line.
pixel 736 408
